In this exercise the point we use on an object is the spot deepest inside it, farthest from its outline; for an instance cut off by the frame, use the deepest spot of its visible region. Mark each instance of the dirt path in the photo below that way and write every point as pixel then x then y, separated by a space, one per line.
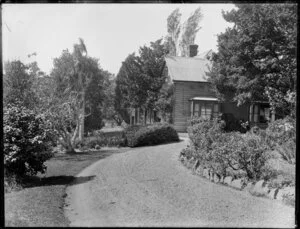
pixel 149 187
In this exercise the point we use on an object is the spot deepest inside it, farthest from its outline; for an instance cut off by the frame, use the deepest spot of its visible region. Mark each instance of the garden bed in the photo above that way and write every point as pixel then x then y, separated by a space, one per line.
pixel 261 161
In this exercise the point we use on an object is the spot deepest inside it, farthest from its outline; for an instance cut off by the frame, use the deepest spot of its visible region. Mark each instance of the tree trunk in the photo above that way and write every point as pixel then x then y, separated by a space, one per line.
pixel 81 119
pixel 70 149
pixel 68 145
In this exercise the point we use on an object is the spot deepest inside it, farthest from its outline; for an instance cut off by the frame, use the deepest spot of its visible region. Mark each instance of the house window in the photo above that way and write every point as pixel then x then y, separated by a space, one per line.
pixel 204 109
pixel 216 110
pixel 255 114
pixel 260 113
pixel 196 110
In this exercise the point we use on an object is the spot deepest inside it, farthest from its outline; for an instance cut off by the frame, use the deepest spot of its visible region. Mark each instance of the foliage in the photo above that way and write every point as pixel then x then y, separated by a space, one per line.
pixel 108 108
pixel 17 84
pixel 95 97
pixel 78 95
pixel 27 141
pixel 101 140
pixel 154 135
pixel 130 132
pixel 232 123
pixel 281 136
pixel 174 28
pixel 227 153
pixel 238 152
pixel 140 81
pixel 12 183
pixel 203 132
pixel 190 29
pixel 256 58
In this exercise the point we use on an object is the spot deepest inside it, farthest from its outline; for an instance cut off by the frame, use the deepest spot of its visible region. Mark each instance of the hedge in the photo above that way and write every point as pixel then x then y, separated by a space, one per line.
pixel 150 135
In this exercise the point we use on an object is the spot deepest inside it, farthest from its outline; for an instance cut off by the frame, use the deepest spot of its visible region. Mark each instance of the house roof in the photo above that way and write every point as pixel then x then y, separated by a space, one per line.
pixel 205 54
pixel 188 68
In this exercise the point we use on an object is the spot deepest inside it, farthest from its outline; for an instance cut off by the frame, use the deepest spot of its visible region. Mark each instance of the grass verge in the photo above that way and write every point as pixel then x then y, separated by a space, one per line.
pixel 41 201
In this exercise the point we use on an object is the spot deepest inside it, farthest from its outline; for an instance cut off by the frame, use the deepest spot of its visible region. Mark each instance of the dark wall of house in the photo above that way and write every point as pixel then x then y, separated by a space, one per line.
pixel 183 91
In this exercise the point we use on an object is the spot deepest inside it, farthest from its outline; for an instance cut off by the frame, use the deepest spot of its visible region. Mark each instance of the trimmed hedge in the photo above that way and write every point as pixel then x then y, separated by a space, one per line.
pixel 150 135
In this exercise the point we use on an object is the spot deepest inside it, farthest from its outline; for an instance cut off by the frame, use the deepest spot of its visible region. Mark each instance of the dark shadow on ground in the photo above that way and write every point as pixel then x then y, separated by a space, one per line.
pixel 55 180
pixel 167 143
pixel 87 155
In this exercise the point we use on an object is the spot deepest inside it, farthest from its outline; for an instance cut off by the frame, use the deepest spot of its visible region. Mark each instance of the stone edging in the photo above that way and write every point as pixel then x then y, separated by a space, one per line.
pixel 259 188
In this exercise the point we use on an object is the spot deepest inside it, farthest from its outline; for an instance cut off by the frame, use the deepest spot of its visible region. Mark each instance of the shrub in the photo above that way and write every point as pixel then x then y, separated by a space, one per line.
pixel 130 133
pixel 100 139
pixel 27 141
pixel 233 124
pixel 203 132
pixel 242 152
pixel 153 135
pixel 11 182
pixel 188 152
pixel 281 136
pixel 227 153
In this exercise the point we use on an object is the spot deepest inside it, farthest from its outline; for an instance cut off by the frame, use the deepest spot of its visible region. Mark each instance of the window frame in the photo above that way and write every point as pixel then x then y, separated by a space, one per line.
pixel 204 104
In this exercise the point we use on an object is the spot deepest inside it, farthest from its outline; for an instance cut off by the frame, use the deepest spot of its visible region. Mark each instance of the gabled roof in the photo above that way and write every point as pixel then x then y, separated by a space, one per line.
pixel 188 68
pixel 205 54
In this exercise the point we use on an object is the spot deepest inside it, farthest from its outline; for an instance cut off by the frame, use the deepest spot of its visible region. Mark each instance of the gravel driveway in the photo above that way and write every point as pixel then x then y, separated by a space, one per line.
pixel 148 186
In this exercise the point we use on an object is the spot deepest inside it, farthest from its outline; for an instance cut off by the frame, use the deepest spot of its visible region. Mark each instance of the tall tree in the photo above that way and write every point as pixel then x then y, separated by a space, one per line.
pixel 256 59
pixel 17 84
pixel 140 79
pixel 131 87
pixel 78 94
pixel 152 63
pixel 173 28
pixel 189 31
pixel 81 79
pixel 95 97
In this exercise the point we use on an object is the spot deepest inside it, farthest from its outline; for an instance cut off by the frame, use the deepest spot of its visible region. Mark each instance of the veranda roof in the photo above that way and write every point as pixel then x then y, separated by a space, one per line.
pixel 204 98
pixel 188 68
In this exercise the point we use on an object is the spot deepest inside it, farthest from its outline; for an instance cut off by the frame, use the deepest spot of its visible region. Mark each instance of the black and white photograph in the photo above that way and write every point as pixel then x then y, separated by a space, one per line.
pixel 151 114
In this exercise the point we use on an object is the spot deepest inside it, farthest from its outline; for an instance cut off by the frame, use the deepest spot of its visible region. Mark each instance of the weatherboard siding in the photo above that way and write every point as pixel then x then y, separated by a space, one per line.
pixel 183 92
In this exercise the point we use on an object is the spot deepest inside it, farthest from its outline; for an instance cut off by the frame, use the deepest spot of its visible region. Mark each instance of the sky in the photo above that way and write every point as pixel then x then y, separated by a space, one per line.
pixel 110 31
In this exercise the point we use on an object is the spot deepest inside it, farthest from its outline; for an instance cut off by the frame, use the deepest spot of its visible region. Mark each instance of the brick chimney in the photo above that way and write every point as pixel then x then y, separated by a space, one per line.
pixel 193 50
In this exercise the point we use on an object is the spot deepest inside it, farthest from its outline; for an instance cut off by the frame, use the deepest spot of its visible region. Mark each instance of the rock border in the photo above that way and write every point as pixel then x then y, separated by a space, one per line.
pixel 260 188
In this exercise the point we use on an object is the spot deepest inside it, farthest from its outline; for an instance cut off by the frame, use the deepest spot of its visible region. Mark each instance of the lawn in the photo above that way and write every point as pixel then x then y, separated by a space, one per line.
pixel 41 202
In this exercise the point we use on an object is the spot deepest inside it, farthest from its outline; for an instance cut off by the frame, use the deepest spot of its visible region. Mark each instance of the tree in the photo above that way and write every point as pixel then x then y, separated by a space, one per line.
pixel 152 64
pixel 108 109
pixel 17 84
pixel 81 78
pixel 121 100
pixel 190 29
pixel 256 58
pixel 131 83
pixel 78 93
pixel 174 28
pixel 95 97
pixel 140 79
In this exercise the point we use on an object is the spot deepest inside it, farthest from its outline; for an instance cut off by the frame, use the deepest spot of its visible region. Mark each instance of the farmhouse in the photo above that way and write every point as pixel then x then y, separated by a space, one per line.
pixel 193 95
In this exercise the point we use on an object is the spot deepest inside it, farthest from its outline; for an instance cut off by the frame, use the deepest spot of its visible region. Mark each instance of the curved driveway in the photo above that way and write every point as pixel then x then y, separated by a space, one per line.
pixel 148 186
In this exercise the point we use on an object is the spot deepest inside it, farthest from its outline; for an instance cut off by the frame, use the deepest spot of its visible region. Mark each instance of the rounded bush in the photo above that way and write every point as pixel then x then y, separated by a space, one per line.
pixel 153 135
pixel 28 139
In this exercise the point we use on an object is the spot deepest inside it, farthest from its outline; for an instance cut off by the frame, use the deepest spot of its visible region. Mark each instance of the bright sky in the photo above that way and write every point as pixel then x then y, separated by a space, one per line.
pixel 110 31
